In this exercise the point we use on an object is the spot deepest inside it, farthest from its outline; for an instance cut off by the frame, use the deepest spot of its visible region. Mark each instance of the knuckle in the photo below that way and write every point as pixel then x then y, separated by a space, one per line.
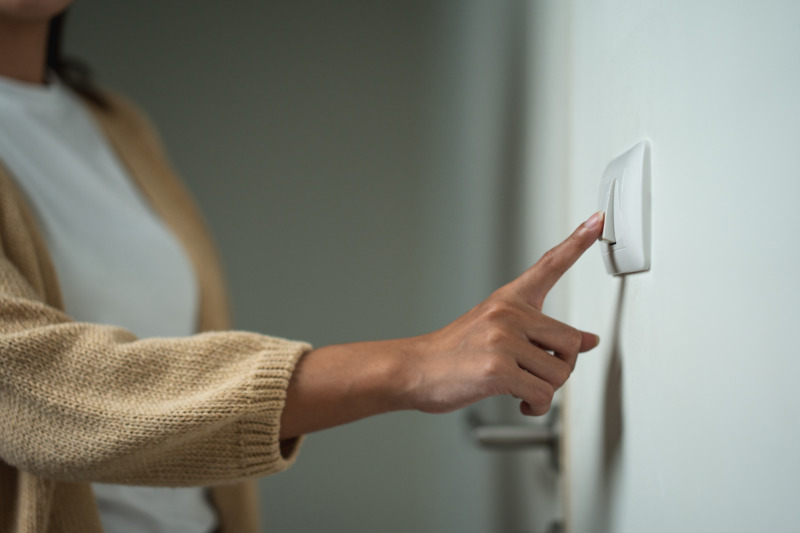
pixel 496 339
pixel 549 259
pixel 573 340
pixel 494 366
pixel 541 398
pixel 499 310
pixel 561 375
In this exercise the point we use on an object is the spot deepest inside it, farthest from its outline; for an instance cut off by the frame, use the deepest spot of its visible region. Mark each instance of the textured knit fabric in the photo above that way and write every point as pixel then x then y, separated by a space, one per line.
pixel 129 271
pixel 82 402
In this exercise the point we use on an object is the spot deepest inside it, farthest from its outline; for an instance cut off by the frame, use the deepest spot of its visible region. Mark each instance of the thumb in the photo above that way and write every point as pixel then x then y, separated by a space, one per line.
pixel 537 281
pixel 589 341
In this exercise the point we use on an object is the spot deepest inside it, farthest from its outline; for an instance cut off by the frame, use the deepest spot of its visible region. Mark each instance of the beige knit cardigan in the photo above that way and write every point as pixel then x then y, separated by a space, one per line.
pixel 82 403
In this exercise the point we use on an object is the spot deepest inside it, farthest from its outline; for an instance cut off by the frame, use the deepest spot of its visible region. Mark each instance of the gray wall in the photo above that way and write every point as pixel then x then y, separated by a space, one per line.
pixel 686 417
pixel 346 157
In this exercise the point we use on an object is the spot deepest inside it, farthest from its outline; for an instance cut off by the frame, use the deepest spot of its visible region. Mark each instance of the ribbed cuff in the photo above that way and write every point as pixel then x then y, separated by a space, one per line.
pixel 262 451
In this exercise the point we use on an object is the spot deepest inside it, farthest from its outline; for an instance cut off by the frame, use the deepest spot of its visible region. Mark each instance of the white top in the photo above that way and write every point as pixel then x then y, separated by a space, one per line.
pixel 116 261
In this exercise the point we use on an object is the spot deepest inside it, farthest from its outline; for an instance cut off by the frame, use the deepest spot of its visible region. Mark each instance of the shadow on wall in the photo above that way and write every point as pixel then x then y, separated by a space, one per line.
pixel 613 423
pixel 612 404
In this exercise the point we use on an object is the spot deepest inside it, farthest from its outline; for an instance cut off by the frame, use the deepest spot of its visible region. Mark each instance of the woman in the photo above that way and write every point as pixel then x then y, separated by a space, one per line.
pixel 119 373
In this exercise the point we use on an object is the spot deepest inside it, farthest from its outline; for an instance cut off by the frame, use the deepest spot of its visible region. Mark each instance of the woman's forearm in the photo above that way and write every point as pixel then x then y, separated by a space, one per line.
pixel 342 383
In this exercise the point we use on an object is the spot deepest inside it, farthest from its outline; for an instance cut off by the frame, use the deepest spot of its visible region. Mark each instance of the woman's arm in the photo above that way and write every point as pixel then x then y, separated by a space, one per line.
pixel 505 345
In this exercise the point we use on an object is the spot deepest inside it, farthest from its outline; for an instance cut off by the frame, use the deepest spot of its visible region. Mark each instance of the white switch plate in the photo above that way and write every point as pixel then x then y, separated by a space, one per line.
pixel 628 179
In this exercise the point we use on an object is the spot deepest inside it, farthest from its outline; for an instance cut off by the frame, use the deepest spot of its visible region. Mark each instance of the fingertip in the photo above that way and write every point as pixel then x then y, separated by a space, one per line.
pixel 596 340
pixel 594 224
pixel 590 341
pixel 526 409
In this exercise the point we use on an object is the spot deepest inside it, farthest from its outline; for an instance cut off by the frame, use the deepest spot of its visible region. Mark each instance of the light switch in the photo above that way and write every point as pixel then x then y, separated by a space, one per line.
pixel 625 199
pixel 607 206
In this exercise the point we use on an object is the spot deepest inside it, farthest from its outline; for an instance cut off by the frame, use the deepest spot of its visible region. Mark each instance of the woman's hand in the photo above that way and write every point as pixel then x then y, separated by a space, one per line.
pixel 505 345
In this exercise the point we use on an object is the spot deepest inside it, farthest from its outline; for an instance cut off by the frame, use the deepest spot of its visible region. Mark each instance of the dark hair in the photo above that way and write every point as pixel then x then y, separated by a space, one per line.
pixel 74 73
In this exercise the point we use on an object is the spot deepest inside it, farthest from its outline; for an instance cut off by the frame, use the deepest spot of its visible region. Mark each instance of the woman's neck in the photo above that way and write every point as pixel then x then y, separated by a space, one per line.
pixel 23 50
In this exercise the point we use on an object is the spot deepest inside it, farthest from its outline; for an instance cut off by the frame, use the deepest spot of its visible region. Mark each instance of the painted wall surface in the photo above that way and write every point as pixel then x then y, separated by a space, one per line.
pixel 686 419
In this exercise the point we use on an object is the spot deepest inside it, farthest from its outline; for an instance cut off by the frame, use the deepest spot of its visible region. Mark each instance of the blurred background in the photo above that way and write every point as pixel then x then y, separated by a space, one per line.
pixel 357 162
pixel 373 169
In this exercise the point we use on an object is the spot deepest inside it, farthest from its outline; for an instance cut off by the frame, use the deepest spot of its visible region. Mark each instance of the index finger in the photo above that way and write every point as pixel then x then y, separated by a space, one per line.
pixel 537 281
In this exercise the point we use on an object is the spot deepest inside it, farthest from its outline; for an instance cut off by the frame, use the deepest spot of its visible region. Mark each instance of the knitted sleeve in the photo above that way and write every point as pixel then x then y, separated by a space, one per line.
pixel 85 402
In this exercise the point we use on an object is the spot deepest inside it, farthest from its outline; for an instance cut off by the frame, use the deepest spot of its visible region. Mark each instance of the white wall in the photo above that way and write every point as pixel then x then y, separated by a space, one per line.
pixel 686 418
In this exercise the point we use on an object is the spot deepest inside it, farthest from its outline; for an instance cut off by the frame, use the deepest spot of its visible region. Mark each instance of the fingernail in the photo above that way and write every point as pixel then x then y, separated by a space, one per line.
pixel 596 341
pixel 593 221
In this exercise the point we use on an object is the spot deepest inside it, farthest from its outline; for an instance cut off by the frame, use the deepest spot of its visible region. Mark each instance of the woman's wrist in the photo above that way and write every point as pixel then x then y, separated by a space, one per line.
pixel 405 372
pixel 342 383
